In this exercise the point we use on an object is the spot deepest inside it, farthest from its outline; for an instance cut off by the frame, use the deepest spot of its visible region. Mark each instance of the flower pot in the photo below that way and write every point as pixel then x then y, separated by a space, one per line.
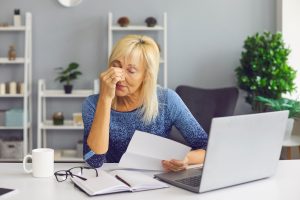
pixel 296 128
pixel 289 128
pixel 68 89
pixel 58 118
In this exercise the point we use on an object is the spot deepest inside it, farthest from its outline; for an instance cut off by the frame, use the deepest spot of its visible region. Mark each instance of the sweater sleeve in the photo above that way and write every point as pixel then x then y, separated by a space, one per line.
pixel 88 112
pixel 185 122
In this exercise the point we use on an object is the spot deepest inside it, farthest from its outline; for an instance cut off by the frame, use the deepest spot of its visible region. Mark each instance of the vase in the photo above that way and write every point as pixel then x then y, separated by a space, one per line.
pixel 58 118
pixel 68 89
pixel 12 53
pixel 289 128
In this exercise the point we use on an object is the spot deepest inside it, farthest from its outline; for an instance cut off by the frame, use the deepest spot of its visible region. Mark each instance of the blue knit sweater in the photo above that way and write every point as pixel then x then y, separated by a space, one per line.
pixel 172 111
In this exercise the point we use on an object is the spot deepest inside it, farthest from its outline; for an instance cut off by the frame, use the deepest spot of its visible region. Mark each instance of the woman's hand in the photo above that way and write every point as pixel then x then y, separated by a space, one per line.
pixel 108 81
pixel 175 165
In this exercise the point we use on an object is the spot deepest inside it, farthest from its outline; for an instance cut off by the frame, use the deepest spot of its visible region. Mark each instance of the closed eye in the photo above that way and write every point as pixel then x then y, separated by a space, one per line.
pixel 131 70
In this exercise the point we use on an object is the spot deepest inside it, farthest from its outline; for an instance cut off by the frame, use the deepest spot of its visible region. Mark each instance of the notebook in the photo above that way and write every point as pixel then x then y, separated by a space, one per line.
pixel 117 181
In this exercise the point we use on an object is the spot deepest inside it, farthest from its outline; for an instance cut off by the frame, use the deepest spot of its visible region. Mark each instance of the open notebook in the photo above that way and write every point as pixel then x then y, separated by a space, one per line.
pixel 118 181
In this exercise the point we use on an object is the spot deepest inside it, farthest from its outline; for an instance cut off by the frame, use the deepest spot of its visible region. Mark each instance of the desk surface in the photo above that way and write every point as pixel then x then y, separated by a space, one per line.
pixel 285 184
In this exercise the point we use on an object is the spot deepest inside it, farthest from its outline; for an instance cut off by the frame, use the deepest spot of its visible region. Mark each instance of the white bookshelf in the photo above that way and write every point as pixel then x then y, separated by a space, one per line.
pixel 69 159
pixel 61 93
pixel 46 125
pixel 137 28
pixel 26 97
pixel 113 27
pixel 14 127
pixel 14 28
pixel 16 61
pixel 68 125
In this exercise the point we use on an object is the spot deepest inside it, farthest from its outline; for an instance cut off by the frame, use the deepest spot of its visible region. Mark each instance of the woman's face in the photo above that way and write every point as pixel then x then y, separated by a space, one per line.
pixel 134 76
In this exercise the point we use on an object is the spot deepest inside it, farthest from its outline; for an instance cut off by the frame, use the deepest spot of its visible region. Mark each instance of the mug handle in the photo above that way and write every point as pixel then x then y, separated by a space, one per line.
pixel 24 163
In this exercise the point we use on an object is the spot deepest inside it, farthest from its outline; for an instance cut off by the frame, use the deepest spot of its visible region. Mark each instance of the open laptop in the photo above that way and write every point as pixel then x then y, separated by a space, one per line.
pixel 240 149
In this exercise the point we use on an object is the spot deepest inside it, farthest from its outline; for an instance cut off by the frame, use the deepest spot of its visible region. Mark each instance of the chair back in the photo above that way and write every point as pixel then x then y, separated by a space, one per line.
pixel 206 104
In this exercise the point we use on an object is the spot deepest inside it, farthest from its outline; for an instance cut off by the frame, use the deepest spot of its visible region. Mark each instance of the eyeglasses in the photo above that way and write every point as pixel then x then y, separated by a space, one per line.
pixel 62 175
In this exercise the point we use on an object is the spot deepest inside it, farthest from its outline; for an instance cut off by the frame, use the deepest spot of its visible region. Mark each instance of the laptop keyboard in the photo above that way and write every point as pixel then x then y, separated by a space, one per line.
pixel 190 181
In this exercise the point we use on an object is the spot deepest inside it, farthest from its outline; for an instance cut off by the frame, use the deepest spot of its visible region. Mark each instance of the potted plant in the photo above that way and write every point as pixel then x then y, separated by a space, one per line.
pixel 292 106
pixel 264 70
pixel 67 75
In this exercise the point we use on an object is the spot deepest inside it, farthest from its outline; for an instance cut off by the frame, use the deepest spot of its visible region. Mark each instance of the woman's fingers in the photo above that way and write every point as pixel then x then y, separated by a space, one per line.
pixel 112 73
pixel 113 76
pixel 178 163
pixel 108 81
pixel 173 165
pixel 165 166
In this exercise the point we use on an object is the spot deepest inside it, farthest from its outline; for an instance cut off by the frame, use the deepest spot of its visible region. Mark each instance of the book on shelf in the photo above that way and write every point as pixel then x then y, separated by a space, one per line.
pixel 117 181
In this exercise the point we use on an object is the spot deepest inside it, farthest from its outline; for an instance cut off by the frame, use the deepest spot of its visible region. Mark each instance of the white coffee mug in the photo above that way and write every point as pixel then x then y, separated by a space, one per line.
pixel 42 162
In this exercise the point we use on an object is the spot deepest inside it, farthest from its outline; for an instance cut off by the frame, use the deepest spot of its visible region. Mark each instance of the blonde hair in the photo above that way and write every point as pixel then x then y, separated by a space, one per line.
pixel 142 47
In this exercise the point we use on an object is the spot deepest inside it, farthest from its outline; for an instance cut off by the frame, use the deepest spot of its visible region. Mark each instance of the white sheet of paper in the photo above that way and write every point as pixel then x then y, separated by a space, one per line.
pixel 146 151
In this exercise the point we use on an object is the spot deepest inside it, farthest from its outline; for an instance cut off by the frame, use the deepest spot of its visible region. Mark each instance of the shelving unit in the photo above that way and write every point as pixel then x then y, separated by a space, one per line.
pixel 12 28
pixel 113 27
pixel 26 97
pixel 45 124
pixel 17 61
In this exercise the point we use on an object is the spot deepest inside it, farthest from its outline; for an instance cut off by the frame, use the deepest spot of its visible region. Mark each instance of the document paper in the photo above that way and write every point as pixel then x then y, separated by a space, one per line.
pixel 146 151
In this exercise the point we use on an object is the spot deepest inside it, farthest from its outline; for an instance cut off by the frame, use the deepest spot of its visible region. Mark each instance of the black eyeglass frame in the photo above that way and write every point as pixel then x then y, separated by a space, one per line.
pixel 68 172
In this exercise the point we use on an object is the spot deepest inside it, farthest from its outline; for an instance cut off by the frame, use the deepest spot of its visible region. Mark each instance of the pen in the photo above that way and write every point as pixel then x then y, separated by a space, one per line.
pixel 120 179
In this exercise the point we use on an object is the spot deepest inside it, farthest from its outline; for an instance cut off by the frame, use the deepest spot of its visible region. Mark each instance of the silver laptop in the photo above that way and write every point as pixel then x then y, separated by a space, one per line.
pixel 240 149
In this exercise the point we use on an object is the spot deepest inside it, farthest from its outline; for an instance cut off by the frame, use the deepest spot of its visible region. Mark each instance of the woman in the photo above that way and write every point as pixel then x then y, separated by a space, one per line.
pixel 130 100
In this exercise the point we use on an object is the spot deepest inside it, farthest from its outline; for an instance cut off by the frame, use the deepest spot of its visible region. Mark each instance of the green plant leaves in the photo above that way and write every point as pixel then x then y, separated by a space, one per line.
pixel 68 74
pixel 263 67
pixel 281 104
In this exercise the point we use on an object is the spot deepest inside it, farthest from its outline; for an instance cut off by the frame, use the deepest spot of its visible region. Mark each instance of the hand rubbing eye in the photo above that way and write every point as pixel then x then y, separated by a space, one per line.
pixel 116 63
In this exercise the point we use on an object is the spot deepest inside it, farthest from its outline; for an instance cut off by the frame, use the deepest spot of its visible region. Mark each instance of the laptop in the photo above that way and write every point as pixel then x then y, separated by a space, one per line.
pixel 240 149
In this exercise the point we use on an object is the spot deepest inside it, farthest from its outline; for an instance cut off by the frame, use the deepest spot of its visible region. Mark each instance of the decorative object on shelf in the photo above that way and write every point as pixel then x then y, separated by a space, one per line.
pixel 79 148
pixel 123 21
pixel 4 24
pixel 11 148
pixel 77 119
pixel 57 154
pixel 17 18
pixel 14 117
pixel 20 88
pixel 264 70
pixel 58 118
pixel 12 54
pixel 69 3
pixel 68 75
pixel 2 89
pixel 71 153
pixel 151 21
pixel 12 87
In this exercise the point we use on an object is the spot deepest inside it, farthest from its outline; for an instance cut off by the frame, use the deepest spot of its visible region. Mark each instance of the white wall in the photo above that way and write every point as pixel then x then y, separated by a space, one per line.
pixel 205 39
pixel 288 22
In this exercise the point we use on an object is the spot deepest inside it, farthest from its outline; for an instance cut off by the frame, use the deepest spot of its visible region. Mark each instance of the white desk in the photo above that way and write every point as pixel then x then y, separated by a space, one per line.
pixel 285 185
